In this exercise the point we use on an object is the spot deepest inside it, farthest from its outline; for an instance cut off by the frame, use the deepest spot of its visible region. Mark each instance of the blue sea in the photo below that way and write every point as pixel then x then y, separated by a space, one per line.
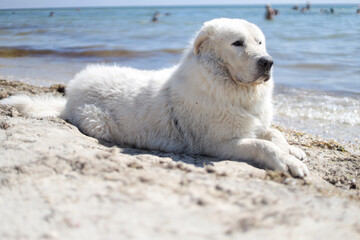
pixel 316 54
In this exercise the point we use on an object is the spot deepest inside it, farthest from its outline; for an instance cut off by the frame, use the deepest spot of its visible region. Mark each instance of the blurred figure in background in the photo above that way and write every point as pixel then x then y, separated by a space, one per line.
pixel 269 12
pixel 331 11
pixel 306 8
pixel 155 16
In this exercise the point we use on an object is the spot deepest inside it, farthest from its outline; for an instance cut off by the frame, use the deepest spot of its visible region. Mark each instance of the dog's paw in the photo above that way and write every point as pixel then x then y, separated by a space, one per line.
pixel 297 152
pixel 292 165
pixel 297 168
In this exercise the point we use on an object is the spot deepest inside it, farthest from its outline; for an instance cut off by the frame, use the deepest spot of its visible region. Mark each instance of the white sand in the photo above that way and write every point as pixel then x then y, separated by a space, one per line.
pixel 56 183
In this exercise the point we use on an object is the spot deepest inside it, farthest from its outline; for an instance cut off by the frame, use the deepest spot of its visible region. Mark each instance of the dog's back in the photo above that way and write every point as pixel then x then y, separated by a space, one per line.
pixel 122 105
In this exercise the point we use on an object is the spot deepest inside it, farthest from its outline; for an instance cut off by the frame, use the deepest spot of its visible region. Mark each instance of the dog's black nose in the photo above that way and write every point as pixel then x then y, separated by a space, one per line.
pixel 265 63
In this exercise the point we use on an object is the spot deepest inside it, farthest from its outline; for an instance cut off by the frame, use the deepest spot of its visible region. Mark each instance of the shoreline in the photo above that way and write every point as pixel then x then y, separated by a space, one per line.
pixel 74 186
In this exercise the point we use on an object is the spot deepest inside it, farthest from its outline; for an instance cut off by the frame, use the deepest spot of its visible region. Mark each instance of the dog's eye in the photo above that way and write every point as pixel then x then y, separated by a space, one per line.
pixel 260 43
pixel 238 44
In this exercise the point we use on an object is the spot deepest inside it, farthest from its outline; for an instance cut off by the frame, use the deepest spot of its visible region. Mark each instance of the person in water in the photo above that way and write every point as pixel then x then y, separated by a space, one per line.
pixel 306 8
pixel 269 12
pixel 155 16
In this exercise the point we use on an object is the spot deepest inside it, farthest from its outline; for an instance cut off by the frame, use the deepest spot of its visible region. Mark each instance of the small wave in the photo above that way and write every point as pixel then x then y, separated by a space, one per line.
pixel 23 33
pixel 82 52
pixel 40 31
pixel 312 66
pixel 17 52
pixel 78 48
pixel 314 37
pixel 301 104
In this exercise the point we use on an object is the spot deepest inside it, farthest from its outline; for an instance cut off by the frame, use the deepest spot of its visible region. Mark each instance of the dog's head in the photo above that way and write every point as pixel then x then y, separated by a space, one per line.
pixel 235 47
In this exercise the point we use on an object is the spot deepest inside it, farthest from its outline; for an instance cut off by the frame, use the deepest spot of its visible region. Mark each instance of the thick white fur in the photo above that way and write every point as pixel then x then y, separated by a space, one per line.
pixel 213 103
pixel 38 105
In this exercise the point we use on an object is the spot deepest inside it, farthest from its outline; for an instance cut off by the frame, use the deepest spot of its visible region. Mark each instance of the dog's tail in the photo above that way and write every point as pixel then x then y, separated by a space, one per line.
pixel 38 105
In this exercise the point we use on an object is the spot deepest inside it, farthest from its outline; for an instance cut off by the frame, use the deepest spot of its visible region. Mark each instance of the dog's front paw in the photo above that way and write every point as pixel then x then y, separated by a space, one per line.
pixel 296 168
pixel 292 165
pixel 297 152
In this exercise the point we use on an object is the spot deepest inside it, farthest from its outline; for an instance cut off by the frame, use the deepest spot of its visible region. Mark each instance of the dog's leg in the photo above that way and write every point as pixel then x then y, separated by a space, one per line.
pixel 262 152
pixel 276 137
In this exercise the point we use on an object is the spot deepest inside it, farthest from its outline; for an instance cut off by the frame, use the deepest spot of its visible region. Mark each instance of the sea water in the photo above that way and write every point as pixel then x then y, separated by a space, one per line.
pixel 316 54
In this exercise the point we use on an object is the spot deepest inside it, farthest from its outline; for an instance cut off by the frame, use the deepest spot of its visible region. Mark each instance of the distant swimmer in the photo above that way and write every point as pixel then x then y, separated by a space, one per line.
pixel 358 10
pixel 51 14
pixel 295 7
pixel 269 12
pixel 155 16
pixel 324 11
pixel 331 11
pixel 306 8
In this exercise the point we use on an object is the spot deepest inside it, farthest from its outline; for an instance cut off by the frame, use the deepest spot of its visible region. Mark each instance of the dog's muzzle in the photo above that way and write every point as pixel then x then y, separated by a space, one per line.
pixel 264 66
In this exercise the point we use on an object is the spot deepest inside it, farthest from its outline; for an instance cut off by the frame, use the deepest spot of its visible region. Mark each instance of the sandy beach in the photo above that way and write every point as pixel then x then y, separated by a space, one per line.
pixel 57 183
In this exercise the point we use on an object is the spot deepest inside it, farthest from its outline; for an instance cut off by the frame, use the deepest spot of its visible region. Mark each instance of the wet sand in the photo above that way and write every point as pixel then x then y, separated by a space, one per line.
pixel 57 183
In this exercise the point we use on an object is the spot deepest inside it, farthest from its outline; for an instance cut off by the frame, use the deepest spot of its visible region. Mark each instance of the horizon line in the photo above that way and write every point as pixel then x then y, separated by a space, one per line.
pixel 172 6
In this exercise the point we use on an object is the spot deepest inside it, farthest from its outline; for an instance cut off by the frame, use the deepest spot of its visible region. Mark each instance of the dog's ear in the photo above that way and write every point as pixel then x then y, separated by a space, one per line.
pixel 202 36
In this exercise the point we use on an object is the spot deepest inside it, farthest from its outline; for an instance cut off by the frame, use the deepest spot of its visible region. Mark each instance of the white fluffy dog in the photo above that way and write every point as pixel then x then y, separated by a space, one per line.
pixel 216 102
